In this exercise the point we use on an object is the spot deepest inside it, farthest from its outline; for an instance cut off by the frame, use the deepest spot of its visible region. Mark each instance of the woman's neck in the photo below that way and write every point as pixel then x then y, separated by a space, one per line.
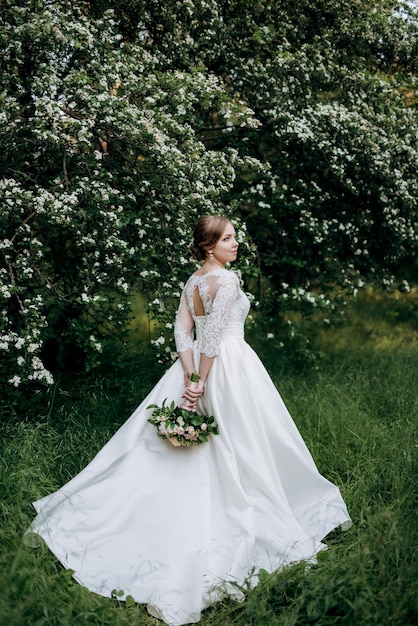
pixel 212 265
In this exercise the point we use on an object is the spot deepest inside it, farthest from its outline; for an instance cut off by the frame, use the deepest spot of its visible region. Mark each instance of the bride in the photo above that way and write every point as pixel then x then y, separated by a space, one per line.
pixel 178 528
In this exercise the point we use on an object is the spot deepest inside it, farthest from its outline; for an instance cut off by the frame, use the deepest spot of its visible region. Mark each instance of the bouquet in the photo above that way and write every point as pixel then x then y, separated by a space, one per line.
pixel 181 426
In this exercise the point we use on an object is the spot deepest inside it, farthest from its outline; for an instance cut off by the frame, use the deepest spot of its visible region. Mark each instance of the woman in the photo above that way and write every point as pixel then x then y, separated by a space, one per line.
pixel 179 528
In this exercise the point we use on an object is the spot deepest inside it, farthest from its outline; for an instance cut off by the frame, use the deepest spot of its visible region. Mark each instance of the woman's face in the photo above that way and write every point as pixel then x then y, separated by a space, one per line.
pixel 226 248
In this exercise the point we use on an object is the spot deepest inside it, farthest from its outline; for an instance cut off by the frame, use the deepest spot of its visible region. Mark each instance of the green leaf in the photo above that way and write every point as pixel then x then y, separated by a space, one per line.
pixel 263 574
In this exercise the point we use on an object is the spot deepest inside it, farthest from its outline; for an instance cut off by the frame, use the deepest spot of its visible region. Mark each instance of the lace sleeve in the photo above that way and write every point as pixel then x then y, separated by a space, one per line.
pixel 224 289
pixel 183 326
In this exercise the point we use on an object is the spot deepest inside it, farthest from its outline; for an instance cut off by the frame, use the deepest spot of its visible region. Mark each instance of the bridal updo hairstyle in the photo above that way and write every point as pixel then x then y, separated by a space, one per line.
pixel 209 229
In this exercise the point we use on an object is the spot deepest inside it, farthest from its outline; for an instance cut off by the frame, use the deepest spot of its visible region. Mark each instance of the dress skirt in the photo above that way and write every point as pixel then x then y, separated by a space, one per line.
pixel 179 528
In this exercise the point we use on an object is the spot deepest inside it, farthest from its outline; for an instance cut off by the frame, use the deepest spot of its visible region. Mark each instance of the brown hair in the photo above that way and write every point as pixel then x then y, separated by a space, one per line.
pixel 208 230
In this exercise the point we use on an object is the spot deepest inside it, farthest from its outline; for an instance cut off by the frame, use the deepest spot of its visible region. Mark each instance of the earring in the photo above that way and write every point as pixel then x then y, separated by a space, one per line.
pixel 211 257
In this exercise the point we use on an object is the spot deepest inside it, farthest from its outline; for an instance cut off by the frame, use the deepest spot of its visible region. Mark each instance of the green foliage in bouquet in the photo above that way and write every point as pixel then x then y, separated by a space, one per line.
pixel 182 427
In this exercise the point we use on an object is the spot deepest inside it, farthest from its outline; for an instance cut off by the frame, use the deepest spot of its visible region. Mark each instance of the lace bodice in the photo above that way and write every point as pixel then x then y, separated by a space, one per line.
pixel 224 304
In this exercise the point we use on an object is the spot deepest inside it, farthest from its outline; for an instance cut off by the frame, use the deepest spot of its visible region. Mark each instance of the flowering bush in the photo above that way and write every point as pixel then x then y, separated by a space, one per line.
pixel 333 88
pixel 182 427
pixel 102 179
pixel 119 128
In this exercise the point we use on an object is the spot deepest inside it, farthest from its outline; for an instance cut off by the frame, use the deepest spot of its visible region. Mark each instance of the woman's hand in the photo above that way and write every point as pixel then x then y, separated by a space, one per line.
pixel 193 392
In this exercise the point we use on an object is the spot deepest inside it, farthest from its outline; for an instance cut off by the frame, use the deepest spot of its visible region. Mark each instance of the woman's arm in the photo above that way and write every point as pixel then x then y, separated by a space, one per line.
pixel 224 290
pixel 183 328
pixel 187 361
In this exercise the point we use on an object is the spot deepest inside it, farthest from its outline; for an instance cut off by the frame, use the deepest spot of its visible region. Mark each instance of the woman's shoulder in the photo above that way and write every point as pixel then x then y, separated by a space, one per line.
pixel 218 274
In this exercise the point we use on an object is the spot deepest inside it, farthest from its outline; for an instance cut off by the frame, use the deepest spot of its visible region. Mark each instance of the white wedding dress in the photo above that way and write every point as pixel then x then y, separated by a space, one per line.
pixel 178 528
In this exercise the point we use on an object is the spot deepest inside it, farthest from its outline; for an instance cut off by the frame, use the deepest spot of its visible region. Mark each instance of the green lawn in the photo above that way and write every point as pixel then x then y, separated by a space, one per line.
pixel 357 409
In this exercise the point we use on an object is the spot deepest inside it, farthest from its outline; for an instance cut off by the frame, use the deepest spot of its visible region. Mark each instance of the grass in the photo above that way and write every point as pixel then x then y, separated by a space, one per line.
pixel 357 410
